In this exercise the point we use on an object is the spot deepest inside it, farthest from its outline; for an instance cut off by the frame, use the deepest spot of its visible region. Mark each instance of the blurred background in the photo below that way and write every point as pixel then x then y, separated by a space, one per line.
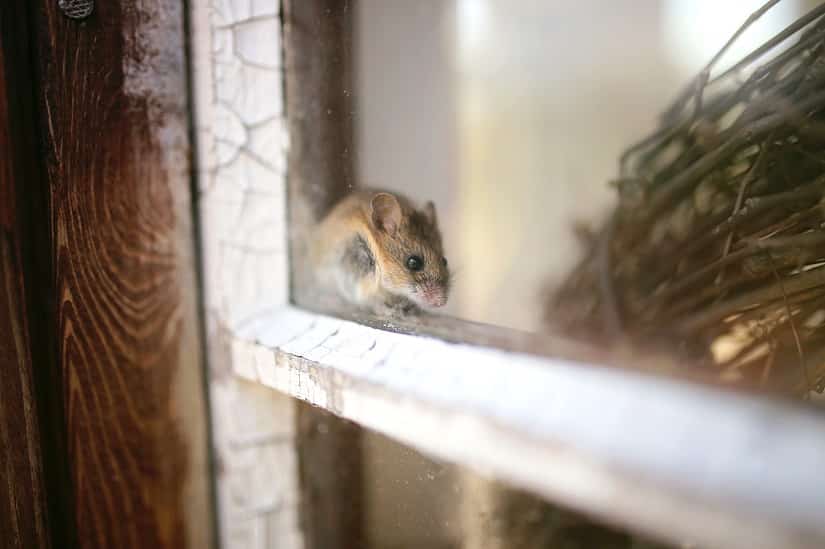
pixel 511 116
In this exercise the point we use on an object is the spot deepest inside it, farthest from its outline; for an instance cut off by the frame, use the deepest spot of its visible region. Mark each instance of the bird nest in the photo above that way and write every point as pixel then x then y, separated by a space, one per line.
pixel 716 249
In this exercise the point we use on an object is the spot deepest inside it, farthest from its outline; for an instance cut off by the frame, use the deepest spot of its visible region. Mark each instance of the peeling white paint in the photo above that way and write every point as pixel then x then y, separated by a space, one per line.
pixel 681 461
pixel 255 42
pixel 243 142
pixel 242 145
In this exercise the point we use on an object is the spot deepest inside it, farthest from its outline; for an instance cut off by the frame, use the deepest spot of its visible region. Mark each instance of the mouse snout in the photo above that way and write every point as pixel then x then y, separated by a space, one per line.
pixel 434 296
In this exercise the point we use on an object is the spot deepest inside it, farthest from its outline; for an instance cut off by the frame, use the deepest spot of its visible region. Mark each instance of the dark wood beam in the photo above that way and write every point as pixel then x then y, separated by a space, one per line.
pixel 318 59
pixel 112 240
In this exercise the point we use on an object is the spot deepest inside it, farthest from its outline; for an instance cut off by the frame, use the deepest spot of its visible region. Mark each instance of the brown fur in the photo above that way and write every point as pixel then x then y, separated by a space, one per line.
pixel 393 230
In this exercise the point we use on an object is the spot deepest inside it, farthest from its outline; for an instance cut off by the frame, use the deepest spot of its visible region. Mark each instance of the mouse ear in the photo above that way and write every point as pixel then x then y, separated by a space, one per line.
pixel 386 212
pixel 429 212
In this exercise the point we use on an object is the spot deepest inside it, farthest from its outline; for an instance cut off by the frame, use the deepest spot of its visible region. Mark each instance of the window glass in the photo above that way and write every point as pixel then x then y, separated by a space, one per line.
pixel 511 116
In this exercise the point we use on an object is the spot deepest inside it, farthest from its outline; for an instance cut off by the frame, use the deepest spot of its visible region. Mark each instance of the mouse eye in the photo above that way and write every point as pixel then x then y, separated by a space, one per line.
pixel 444 262
pixel 415 263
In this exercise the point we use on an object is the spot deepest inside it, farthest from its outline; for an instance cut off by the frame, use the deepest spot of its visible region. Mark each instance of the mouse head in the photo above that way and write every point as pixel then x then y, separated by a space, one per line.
pixel 411 256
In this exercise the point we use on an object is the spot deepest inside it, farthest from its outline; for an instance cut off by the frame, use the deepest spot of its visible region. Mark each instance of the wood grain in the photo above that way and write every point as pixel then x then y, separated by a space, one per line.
pixel 40 502
pixel 23 514
pixel 22 507
pixel 115 125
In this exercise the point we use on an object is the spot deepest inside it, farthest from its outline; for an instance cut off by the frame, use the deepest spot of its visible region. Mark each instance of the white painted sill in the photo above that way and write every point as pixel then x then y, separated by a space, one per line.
pixel 682 462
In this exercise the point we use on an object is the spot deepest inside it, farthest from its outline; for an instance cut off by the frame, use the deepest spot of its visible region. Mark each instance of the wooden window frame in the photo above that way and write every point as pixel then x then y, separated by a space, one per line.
pixel 103 420
pixel 666 456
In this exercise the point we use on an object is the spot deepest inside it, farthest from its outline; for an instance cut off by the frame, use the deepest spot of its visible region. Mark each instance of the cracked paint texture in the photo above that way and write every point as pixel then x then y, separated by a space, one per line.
pixel 241 143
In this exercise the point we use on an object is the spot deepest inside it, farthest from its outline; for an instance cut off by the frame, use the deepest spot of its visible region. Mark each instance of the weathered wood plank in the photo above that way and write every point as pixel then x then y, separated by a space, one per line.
pixel 318 57
pixel 114 123
pixel 620 354
pixel 332 506
pixel 319 79
pixel 23 507
pixel 681 462
pixel 241 162
pixel 23 515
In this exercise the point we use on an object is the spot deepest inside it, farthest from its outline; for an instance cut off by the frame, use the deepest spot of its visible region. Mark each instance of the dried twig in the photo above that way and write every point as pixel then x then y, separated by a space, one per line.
pixel 732 186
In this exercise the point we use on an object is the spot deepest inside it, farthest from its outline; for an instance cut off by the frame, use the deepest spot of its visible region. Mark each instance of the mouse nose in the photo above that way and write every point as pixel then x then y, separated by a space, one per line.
pixel 435 297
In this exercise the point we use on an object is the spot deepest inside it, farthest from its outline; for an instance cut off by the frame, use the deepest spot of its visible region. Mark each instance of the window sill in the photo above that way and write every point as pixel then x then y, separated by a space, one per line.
pixel 677 460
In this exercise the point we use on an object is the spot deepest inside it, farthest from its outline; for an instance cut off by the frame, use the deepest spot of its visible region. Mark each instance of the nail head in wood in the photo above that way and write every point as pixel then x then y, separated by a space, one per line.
pixel 76 9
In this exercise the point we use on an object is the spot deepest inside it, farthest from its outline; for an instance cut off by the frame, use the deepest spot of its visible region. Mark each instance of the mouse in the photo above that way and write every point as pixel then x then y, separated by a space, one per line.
pixel 377 251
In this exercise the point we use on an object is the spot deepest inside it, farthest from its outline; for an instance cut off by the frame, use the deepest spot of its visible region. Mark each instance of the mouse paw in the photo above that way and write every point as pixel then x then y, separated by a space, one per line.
pixel 397 307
